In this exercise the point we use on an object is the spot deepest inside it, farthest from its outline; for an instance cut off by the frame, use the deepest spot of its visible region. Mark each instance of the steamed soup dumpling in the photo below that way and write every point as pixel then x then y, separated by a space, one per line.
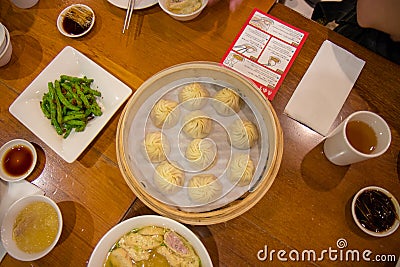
pixel 241 169
pixel 197 124
pixel 226 102
pixel 243 134
pixel 156 146
pixel 168 178
pixel 201 153
pixel 193 96
pixel 204 188
pixel 165 113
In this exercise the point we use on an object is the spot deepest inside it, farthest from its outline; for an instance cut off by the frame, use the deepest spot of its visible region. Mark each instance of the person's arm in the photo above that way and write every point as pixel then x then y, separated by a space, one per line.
pixel 383 15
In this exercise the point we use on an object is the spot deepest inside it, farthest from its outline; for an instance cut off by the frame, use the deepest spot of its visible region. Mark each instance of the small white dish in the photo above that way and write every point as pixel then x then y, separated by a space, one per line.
pixel 20 165
pixel 102 248
pixel 5 55
pixel 8 224
pixel 396 223
pixel 26 108
pixel 70 32
pixel 182 17
pixel 139 4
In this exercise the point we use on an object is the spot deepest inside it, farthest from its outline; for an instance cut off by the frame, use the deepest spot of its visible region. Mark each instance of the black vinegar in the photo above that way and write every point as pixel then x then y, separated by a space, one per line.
pixel 72 27
pixel 77 20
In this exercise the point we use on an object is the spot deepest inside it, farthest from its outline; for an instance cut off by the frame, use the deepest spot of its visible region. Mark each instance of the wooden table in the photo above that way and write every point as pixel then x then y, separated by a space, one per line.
pixel 307 207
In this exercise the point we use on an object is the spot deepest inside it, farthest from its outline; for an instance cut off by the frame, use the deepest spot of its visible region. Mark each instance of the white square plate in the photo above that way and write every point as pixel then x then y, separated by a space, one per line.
pixel 26 108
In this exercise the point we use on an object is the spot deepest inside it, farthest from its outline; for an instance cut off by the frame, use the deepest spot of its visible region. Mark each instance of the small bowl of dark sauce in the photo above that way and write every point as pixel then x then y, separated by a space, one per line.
pixel 376 211
pixel 75 20
pixel 18 159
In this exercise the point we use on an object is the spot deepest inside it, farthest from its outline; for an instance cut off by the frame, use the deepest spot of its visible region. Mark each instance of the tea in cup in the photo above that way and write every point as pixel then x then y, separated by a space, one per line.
pixel 362 135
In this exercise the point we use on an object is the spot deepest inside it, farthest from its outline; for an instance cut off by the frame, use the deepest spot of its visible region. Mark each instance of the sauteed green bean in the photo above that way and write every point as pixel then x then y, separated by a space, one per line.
pixel 70 103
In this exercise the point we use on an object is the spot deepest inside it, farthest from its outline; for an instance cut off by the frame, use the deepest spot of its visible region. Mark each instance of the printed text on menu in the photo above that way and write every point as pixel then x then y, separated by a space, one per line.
pixel 264 50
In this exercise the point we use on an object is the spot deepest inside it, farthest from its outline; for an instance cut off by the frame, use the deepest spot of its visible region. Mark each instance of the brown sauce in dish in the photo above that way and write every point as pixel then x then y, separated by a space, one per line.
pixel 77 20
pixel 17 160
pixel 375 211
pixel 72 27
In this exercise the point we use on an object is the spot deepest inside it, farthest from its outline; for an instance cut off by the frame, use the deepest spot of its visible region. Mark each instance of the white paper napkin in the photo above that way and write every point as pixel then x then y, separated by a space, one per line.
pixel 11 192
pixel 324 88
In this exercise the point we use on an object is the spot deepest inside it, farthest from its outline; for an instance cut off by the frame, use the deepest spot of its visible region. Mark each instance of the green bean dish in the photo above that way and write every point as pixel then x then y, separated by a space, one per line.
pixel 70 104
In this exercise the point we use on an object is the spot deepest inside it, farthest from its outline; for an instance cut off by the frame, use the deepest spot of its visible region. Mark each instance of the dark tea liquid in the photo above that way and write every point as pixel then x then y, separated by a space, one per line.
pixel 361 136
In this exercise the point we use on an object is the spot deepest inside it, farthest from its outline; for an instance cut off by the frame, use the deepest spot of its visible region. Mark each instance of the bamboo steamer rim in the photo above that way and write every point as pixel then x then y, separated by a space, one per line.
pixel 223 214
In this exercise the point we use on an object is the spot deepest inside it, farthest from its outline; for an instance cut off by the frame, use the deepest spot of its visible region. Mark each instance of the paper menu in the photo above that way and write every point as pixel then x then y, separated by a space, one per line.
pixel 264 51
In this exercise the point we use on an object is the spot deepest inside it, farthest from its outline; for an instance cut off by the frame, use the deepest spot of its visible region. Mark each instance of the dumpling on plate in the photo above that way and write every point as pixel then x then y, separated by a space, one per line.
pixel 241 169
pixel 243 134
pixel 193 96
pixel 226 102
pixel 173 259
pixel 204 188
pixel 165 113
pixel 201 153
pixel 197 124
pixel 156 146
pixel 119 257
pixel 168 178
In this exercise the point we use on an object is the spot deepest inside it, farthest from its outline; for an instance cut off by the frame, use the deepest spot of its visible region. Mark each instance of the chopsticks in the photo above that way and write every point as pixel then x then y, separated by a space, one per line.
pixel 129 10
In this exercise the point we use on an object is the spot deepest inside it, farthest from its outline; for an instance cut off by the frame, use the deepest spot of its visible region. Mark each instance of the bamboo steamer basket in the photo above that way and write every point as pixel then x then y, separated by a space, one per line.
pixel 235 80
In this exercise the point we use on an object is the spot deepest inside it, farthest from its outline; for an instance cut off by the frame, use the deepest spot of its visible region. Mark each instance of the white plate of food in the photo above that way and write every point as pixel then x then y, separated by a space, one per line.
pixel 72 63
pixel 169 241
pixel 139 4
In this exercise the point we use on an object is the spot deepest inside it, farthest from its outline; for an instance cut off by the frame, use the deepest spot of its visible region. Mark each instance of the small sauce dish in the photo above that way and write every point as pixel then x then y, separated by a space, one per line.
pixel 31 241
pixel 75 20
pixel 18 159
pixel 375 211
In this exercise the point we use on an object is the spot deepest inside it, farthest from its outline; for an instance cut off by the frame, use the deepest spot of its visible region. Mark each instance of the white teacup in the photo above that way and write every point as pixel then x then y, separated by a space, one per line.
pixel 5 55
pixel 341 148
pixel 24 3
pixel 3 38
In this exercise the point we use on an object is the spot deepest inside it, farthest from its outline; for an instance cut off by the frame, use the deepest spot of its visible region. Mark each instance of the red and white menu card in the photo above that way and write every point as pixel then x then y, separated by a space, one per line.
pixel 264 51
